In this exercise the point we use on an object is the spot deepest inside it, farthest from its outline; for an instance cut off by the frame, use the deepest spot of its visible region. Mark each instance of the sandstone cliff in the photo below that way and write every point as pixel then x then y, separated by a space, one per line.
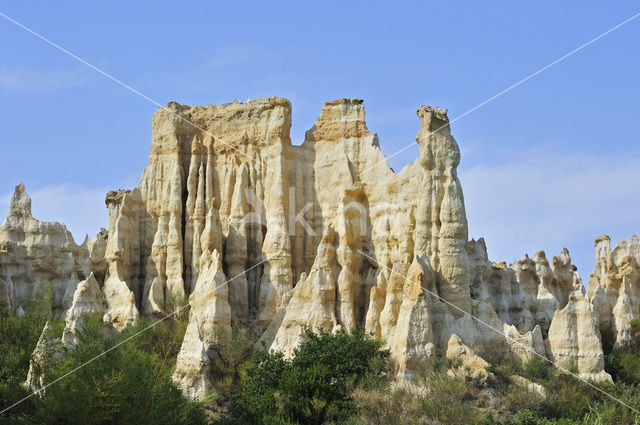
pixel 35 254
pixel 614 285
pixel 260 233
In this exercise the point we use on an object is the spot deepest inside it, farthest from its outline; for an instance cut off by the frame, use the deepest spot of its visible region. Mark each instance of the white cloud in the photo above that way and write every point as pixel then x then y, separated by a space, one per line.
pixel 82 209
pixel 24 79
pixel 543 199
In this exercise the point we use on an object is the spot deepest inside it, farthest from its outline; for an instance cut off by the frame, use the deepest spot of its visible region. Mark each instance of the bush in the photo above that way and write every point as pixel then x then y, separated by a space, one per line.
pixel 442 398
pixel 634 336
pixel 315 385
pixel 233 353
pixel 518 400
pixel 129 384
pixel 18 339
pixel 537 368
pixel 397 406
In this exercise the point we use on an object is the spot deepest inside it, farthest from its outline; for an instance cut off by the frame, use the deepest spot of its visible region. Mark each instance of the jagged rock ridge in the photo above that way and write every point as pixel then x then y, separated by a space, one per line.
pixel 329 236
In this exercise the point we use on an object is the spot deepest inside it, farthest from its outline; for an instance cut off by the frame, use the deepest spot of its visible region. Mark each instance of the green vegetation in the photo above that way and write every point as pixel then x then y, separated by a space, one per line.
pixel 315 385
pixel 440 397
pixel 129 384
pixel 18 338
pixel 570 401
pixel 341 378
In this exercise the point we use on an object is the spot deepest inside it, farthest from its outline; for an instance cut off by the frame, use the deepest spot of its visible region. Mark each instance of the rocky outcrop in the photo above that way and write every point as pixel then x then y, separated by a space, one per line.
pixel 614 286
pixel 210 314
pixel 312 302
pixel 87 300
pixel 526 384
pixel 574 339
pixel 35 254
pixel 471 365
pixel 528 292
pixel 48 351
pixel 264 234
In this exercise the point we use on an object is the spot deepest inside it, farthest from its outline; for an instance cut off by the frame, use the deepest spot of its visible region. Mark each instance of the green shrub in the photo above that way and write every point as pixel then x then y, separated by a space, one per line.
pixel 233 356
pixel 129 384
pixel 314 386
pixel 397 406
pixel 518 400
pixel 569 398
pixel 502 367
pixel 442 399
pixel 633 344
pixel 18 339
pixel 537 368
pixel 433 376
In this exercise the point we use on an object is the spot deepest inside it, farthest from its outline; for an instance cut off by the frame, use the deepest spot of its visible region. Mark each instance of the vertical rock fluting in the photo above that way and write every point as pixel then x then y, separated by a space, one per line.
pixel 210 314
pixel 236 247
pixel 313 300
pixel 230 155
pixel 441 219
pixel 261 233
pixel 121 286
pixel 35 254
pixel 574 339
pixel 614 286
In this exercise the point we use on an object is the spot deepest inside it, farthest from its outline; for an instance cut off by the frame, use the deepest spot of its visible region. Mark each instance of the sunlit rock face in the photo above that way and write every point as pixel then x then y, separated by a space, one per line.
pixel 528 292
pixel 209 314
pixel 256 232
pixel 35 254
pixel 87 300
pixel 574 339
pixel 614 285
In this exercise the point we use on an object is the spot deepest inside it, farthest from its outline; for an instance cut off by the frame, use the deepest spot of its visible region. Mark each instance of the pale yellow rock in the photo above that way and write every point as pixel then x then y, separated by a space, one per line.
pixel 528 385
pixel 472 366
pixel 614 286
pixel 411 337
pixel 34 254
pixel 87 300
pixel 323 234
pixel 441 222
pixel 92 258
pixel 527 293
pixel 574 339
pixel 122 255
pixel 121 309
pixel 236 248
pixel 312 301
pixel 210 311
pixel 527 345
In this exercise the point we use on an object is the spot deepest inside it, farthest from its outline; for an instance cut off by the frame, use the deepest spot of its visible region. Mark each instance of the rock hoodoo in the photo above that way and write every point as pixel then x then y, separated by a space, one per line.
pixel 35 254
pixel 257 232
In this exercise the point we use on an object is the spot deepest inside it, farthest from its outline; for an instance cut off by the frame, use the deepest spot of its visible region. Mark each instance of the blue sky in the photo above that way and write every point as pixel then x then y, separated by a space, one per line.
pixel 554 162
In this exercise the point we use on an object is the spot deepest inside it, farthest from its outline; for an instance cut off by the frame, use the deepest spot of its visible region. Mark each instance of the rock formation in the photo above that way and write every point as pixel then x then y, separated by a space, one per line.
pixel 48 351
pixel 35 254
pixel 210 311
pixel 87 300
pixel 614 285
pixel 261 233
pixel 574 339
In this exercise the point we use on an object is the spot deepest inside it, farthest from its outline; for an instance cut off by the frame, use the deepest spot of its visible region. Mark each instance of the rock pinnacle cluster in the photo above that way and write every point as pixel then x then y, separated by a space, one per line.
pixel 255 232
